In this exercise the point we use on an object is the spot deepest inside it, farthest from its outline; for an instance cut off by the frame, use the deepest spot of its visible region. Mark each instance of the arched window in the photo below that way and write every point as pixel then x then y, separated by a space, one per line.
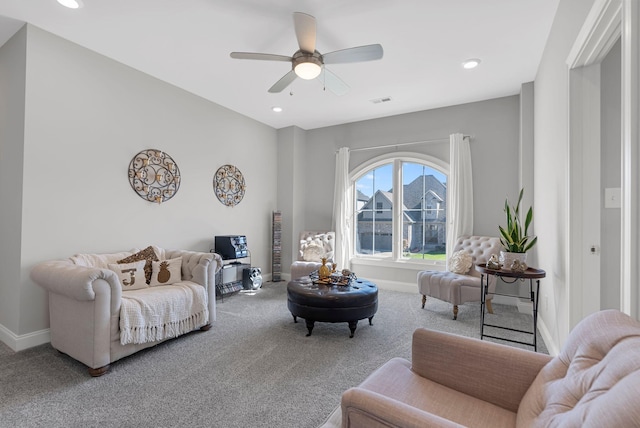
pixel 400 208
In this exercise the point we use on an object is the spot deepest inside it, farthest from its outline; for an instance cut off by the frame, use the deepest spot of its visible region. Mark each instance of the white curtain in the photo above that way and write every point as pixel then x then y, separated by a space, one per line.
pixel 342 210
pixel 459 191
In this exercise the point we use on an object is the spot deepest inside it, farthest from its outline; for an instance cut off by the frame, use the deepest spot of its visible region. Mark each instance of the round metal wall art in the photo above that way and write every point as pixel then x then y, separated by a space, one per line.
pixel 229 186
pixel 154 176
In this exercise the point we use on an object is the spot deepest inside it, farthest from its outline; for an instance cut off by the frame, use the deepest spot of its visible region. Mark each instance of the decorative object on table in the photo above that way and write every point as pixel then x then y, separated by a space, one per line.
pixel 518 266
pixel 229 186
pixel 324 270
pixel 344 278
pixel 493 263
pixel 514 238
pixel 154 175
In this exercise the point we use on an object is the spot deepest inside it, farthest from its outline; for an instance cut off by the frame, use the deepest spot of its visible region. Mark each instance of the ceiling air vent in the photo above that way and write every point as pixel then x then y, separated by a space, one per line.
pixel 381 100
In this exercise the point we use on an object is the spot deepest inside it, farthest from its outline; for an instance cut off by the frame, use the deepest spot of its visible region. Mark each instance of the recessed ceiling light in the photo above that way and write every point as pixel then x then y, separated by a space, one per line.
pixel 276 109
pixel 71 4
pixel 471 63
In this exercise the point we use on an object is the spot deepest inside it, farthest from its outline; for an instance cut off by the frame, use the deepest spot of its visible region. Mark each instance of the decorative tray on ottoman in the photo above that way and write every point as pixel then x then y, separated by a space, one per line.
pixel 333 279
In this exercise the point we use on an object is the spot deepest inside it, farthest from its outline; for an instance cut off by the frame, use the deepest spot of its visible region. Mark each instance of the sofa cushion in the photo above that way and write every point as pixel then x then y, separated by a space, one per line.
pixel 460 262
pixel 131 275
pixel 396 380
pixel 100 261
pixel 166 272
pixel 324 240
pixel 148 254
pixel 593 382
pixel 313 253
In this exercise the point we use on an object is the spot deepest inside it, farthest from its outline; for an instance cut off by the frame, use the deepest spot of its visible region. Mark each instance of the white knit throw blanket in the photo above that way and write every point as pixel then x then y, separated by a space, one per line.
pixel 157 313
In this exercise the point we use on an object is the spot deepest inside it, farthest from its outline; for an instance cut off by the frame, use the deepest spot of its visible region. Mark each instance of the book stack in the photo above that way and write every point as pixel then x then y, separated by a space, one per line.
pixel 276 252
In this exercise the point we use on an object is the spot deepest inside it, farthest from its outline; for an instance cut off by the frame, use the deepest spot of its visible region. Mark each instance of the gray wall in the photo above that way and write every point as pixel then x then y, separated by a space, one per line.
pixel 551 166
pixel 86 116
pixel 611 161
pixel 493 125
pixel 12 86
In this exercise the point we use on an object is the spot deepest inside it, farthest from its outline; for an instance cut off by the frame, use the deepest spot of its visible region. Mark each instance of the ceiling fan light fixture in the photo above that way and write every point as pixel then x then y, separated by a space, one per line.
pixel 307 66
pixel 307 70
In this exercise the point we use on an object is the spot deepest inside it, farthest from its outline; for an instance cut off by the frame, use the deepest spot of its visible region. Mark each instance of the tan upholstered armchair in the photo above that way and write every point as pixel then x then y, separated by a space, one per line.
pixel 461 287
pixel 593 382
pixel 313 246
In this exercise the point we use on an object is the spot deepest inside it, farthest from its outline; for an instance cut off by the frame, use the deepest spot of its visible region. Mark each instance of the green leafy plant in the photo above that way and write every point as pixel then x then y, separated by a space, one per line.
pixel 514 237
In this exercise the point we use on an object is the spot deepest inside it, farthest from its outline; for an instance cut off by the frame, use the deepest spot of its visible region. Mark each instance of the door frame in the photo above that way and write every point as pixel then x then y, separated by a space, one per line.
pixel 608 21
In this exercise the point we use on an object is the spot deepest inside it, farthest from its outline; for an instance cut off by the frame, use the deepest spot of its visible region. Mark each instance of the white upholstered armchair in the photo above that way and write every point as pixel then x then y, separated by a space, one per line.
pixel 459 287
pixel 313 246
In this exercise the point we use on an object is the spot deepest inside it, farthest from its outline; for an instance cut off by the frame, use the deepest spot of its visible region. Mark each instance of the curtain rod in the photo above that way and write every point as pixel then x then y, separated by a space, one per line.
pixel 437 140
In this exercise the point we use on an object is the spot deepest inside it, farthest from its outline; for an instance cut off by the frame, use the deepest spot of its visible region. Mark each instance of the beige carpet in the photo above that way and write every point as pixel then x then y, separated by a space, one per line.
pixel 254 368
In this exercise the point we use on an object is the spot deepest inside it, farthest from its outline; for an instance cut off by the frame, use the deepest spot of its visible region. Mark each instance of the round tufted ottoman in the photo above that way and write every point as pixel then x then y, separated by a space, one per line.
pixel 324 303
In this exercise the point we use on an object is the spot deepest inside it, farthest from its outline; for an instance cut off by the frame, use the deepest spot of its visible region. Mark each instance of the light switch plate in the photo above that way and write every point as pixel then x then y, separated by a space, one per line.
pixel 613 197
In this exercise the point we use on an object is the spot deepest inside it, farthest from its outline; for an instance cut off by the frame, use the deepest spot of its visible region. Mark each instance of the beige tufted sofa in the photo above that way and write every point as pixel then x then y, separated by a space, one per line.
pixel 312 247
pixel 85 300
pixel 457 288
pixel 594 382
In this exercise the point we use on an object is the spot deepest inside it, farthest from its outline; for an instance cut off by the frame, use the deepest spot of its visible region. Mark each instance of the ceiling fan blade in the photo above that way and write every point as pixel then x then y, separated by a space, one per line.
pixel 332 82
pixel 305 26
pixel 360 53
pixel 260 56
pixel 284 81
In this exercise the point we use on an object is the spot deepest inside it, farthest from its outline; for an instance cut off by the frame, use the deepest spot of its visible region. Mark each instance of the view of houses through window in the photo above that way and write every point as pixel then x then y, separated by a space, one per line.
pixel 423 211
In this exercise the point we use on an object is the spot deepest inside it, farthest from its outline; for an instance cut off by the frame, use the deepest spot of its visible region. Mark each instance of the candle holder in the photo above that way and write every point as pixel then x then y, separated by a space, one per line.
pixel 154 176
pixel 228 185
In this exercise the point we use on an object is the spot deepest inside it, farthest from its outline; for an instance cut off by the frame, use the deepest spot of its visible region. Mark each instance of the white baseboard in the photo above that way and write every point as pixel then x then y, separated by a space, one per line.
pixel 552 347
pixel 525 306
pixel 405 287
pixel 411 287
pixel 24 341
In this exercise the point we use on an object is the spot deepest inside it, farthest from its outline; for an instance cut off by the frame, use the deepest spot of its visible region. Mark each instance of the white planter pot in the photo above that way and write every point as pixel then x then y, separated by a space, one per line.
pixel 507 258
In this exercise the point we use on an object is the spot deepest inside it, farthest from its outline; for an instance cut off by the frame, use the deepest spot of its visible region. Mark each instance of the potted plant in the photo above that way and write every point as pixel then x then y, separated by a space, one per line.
pixel 515 238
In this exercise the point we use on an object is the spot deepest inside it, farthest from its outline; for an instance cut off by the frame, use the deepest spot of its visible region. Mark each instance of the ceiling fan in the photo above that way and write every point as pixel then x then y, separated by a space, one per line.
pixel 307 63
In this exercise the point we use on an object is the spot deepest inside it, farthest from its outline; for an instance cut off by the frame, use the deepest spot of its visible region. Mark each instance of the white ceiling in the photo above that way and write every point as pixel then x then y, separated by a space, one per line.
pixel 187 43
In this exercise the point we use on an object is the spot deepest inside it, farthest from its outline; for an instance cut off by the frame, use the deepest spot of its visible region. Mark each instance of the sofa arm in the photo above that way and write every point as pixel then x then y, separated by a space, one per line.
pixel 197 267
pixel 368 409
pixel 489 371
pixel 73 281
pixel 200 268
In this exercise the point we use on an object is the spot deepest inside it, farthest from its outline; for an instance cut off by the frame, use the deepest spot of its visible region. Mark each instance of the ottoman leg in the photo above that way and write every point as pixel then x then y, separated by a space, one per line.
pixel 310 324
pixel 295 318
pixel 370 318
pixel 352 327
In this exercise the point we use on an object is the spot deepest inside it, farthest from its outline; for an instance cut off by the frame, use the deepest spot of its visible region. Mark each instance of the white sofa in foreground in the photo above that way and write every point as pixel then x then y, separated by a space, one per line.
pixel 103 307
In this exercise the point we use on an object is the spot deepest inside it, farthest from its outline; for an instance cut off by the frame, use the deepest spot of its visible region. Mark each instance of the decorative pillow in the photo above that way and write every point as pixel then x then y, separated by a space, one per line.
pixel 131 275
pixel 148 255
pixel 313 253
pixel 460 262
pixel 166 272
